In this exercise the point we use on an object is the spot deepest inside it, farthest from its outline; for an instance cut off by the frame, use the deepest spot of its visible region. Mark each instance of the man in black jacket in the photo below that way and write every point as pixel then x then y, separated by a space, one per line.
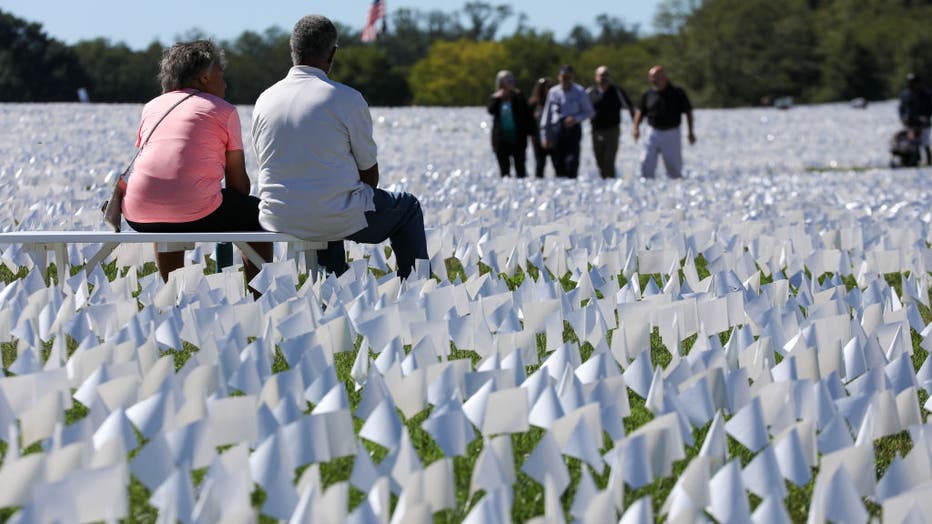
pixel 608 100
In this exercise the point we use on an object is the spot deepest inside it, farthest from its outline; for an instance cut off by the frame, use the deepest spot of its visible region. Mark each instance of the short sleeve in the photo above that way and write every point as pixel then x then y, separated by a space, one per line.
pixel 362 145
pixel 687 106
pixel 642 107
pixel 234 131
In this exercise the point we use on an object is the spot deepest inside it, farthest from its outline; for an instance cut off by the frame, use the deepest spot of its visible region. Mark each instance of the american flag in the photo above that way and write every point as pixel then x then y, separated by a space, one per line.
pixel 376 13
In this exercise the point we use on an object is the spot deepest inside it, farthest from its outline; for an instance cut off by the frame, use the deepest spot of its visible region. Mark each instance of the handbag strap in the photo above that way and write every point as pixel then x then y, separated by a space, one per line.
pixel 144 142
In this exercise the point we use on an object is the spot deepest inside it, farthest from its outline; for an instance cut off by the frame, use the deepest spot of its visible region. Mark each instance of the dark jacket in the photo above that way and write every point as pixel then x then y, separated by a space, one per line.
pixel 915 107
pixel 524 122
pixel 608 106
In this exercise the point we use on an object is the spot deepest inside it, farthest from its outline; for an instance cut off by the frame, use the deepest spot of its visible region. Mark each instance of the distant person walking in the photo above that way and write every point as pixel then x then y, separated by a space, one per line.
pixel 663 104
pixel 608 100
pixel 536 107
pixel 566 108
pixel 916 112
pixel 511 124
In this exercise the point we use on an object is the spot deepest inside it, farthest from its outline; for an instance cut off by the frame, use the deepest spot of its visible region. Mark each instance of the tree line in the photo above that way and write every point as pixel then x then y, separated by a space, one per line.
pixel 725 52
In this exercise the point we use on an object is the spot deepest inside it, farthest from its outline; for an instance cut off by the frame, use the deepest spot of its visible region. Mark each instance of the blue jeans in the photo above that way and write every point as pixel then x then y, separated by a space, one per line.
pixel 398 219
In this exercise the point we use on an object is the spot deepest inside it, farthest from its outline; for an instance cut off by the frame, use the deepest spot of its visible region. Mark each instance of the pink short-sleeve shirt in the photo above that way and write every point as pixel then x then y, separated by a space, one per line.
pixel 177 175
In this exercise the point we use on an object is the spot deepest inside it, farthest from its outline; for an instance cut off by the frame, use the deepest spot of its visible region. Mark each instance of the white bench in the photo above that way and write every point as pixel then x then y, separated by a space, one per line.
pixel 57 242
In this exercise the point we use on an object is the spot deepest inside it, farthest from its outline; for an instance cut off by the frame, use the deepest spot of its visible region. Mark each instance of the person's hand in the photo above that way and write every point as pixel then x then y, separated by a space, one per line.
pixel 569 121
pixel 498 94
pixel 636 133
pixel 692 138
pixel 545 144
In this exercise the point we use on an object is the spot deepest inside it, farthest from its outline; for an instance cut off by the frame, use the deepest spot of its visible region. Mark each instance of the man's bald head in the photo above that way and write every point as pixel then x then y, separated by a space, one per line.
pixel 602 76
pixel 657 77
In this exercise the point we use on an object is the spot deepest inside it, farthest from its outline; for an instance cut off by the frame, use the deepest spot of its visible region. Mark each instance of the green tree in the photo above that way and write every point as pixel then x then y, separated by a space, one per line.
pixel 737 51
pixel 485 19
pixel 531 55
pixel 628 64
pixel 34 67
pixel 850 70
pixel 369 70
pixel 456 73
pixel 118 74
pixel 254 62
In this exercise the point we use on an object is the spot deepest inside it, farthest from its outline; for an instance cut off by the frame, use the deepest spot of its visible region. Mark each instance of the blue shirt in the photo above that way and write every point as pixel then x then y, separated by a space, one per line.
pixel 561 104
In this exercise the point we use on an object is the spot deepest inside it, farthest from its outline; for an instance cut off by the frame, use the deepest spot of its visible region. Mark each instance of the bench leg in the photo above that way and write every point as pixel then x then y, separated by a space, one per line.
pixel 39 254
pixel 105 250
pixel 311 265
pixel 250 253
pixel 61 263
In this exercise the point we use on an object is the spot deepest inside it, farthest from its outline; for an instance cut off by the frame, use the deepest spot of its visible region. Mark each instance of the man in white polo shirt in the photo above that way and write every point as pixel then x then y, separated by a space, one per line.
pixel 318 171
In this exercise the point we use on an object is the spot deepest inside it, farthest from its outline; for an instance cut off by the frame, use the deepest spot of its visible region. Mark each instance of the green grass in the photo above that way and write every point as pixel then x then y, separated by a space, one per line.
pixel 529 496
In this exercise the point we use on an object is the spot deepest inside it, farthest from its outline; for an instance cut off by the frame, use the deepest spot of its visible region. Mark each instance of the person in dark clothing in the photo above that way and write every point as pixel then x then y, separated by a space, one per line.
pixel 663 104
pixel 536 107
pixel 561 121
pixel 607 100
pixel 511 124
pixel 916 112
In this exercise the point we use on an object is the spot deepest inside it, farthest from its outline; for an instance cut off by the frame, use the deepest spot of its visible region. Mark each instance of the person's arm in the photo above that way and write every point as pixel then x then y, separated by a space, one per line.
pixel 495 102
pixel 235 172
pixel 688 109
pixel 524 113
pixel 689 124
pixel 586 109
pixel 370 176
pixel 362 145
pixel 901 109
pixel 544 123
pixel 636 127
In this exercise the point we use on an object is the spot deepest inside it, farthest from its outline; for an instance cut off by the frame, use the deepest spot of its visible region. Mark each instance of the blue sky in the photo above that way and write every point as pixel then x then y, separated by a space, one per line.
pixel 139 23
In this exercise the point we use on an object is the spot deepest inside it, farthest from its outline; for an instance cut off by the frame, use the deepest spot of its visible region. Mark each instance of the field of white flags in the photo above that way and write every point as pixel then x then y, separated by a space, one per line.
pixel 747 344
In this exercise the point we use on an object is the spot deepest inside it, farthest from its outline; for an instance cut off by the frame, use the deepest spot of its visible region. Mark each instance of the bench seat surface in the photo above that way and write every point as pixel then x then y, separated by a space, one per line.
pixel 37 237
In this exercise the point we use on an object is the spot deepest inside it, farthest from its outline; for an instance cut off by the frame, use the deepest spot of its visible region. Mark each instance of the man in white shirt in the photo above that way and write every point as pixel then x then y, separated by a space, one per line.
pixel 318 171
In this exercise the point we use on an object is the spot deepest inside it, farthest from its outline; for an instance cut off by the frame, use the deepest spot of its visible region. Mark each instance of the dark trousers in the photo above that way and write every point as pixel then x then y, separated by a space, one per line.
pixel 398 219
pixel 566 153
pixel 505 153
pixel 605 147
pixel 540 156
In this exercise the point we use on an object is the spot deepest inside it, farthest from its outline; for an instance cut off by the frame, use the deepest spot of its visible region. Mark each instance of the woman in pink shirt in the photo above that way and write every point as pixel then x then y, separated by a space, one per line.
pixel 176 181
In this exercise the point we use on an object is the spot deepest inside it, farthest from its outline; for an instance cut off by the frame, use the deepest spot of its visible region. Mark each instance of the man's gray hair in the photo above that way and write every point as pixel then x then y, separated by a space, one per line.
pixel 312 40
pixel 183 63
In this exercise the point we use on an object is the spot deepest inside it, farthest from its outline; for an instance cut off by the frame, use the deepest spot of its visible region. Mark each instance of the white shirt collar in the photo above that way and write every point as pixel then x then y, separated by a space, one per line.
pixel 305 70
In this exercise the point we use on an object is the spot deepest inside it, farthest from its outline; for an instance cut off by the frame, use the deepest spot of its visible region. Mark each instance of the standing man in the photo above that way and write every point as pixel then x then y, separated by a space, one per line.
pixel 663 104
pixel 607 100
pixel 916 112
pixel 318 171
pixel 566 108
